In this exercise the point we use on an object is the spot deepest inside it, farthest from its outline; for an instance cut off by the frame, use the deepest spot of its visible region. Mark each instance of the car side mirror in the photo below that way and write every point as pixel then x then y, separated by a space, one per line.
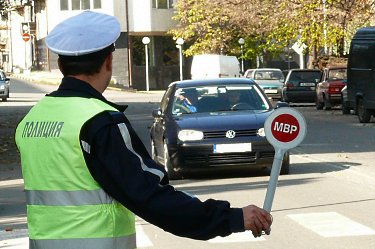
pixel 281 104
pixel 156 113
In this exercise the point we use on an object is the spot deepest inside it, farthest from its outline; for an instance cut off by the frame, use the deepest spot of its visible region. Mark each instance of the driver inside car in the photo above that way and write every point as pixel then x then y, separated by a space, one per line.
pixel 233 98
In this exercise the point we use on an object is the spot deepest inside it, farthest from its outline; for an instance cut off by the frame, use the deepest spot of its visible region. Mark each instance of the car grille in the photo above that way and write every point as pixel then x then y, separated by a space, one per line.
pixel 267 154
pixel 220 159
pixel 221 134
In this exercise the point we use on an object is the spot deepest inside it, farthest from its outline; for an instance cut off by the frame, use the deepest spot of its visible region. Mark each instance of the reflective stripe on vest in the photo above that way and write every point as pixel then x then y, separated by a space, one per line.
pixel 67 198
pixel 113 243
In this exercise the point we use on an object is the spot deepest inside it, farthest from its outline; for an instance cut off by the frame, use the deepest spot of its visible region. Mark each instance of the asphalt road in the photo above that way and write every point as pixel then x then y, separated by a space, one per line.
pixel 326 201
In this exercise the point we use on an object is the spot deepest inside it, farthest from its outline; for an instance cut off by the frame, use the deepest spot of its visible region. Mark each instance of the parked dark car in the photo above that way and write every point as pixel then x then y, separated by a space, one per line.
pixel 328 90
pixel 300 85
pixel 213 125
pixel 4 86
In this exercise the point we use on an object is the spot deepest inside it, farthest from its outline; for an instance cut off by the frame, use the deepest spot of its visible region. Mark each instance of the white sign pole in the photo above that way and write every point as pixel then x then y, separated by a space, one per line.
pixel 275 172
pixel 285 128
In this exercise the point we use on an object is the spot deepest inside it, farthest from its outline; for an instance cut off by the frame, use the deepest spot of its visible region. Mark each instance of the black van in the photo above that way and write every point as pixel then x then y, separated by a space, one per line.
pixel 361 74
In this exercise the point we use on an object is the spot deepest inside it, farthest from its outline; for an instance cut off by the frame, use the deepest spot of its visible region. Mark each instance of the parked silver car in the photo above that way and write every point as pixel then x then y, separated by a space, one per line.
pixel 4 86
pixel 269 79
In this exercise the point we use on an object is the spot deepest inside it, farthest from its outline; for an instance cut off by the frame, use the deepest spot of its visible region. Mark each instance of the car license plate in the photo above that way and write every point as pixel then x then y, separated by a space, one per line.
pixel 307 84
pixel 270 90
pixel 2 87
pixel 228 148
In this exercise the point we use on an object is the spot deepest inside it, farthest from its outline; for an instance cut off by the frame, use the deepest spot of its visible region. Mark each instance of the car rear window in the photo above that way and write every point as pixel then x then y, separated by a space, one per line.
pixel 268 75
pixel 304 76
pixel 337 74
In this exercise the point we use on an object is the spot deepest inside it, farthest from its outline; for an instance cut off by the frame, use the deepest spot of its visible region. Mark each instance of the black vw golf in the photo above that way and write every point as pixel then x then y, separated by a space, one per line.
pixel 213 125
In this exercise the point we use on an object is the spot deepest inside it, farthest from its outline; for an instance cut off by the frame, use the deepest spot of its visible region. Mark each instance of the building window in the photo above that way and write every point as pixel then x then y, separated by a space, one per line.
pixel 97 4
pixel 163 4
pixel 85 4
pixel 169 50
pixel 80 4
pixel 64 5
pixel 76 5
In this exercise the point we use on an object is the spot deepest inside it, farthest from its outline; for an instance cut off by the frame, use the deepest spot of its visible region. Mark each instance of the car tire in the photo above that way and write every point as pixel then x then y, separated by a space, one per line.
pixel 345 108
pixel 327 104
pixel 154 155
pixel 172 175
pixel 285 166
pixel 319 105
pixel 364 115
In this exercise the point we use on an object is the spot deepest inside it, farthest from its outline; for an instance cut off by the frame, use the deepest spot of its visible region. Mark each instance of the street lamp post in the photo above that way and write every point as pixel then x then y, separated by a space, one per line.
pixel 179 43
pixel 325 27
pixel 241 41
pixel 146 41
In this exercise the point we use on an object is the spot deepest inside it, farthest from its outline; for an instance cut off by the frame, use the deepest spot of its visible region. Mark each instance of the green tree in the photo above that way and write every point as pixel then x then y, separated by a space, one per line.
pixel 4 7
pixel 205 25
pixel 270 26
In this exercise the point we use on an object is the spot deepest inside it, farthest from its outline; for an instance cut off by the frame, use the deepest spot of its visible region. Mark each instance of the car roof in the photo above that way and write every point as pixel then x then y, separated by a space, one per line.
pixel 304 70
pixel 264 69
pixel 207 82
pixel 336 67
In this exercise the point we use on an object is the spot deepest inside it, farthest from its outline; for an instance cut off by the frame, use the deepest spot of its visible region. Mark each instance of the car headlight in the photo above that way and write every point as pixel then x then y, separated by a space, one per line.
pixel 261 132
pixel 190 135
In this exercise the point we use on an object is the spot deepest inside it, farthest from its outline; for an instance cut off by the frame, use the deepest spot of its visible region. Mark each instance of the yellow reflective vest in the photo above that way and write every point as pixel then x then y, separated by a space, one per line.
pixel 66 207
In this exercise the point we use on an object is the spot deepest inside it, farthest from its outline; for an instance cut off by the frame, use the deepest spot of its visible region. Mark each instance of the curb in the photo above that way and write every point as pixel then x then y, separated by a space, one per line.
pixel 54 78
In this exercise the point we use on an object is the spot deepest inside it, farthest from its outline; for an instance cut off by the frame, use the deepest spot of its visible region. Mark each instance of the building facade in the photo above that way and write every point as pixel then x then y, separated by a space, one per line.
pixel 138 19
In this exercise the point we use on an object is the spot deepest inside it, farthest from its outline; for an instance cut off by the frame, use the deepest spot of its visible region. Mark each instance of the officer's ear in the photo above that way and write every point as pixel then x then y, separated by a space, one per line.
pixel 108 62
pixel 60 66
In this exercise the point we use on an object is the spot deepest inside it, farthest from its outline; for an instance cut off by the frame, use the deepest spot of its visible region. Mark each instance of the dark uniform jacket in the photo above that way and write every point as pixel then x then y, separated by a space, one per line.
pixel 125 170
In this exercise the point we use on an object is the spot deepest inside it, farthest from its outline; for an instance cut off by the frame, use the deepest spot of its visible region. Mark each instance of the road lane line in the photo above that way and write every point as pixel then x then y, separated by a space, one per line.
pixel 331 224
pixel 142 238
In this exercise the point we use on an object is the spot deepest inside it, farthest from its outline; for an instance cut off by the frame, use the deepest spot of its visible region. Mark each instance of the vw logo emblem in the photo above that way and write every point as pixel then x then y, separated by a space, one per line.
pixel 230 134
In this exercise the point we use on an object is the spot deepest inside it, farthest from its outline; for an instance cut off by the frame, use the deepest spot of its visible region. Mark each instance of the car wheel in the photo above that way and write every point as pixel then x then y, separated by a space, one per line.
pixel 327 104
pixel 4 99
pixel 319 105
pixel 285 166
pixel 345 107
pixel 364 115
pixel 173 175
pixel 153 151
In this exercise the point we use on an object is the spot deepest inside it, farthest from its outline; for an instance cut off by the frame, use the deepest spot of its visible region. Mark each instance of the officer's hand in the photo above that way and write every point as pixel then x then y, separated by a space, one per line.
pixel 257 220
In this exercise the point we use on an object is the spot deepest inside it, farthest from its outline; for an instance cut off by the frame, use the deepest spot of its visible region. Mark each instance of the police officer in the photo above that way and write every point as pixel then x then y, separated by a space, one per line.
pixel 86 172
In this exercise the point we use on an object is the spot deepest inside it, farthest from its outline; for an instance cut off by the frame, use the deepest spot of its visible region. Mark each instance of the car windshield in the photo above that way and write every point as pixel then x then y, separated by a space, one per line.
pixel 218 98
pixel 304 76
pixel 337 74
pixel 268 75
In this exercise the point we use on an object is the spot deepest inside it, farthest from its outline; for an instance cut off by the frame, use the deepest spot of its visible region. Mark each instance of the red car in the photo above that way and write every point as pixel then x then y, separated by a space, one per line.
pixel 328 90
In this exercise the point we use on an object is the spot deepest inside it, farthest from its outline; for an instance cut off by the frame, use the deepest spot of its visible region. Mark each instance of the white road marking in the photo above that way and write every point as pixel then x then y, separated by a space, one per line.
pixel 142 238
pixel 331 224
pixel 237 238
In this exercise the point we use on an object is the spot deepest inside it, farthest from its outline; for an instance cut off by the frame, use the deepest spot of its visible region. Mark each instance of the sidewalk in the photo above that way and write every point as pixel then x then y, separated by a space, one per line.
pixel 54 77
pixel 47 77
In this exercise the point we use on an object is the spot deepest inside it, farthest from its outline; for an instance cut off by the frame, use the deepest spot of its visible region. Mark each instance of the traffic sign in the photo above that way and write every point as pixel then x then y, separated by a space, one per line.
pixel 285 128
pixel 26 37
